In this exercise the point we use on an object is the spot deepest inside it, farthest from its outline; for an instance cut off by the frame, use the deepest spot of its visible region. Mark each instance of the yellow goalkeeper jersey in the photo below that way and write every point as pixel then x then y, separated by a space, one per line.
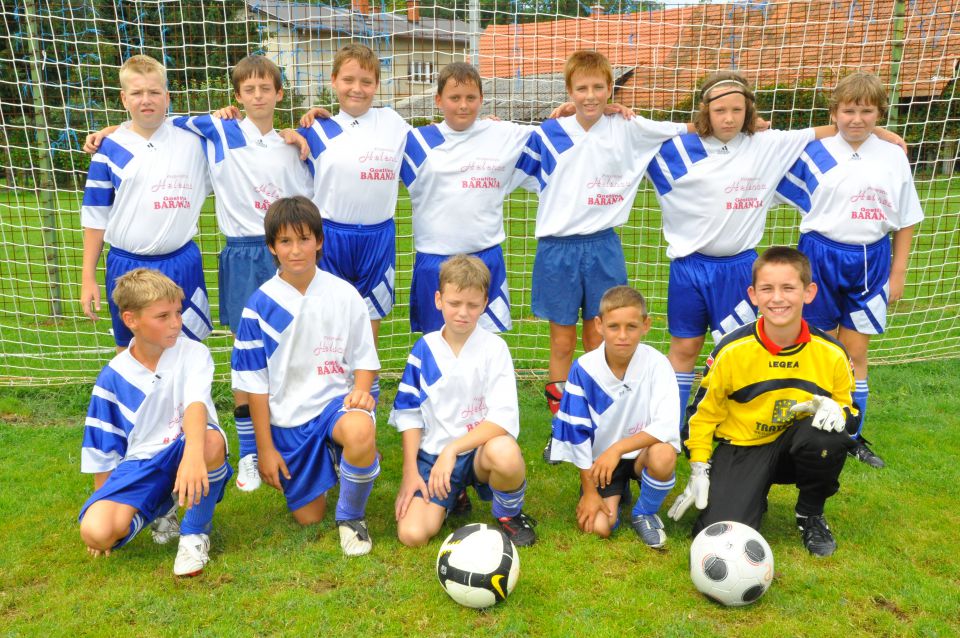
pixel 750 384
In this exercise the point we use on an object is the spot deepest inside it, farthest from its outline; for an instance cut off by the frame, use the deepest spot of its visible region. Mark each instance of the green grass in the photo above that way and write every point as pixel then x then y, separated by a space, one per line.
pixel 36 348
pixel 896 573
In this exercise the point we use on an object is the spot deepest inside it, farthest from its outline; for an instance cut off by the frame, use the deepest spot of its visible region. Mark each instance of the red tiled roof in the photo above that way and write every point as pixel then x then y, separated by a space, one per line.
pixel 775 42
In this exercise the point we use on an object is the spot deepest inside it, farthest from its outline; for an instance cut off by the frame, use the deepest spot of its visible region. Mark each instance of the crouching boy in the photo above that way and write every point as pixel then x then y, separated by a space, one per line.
pixel 456 409
pixel 152 430
pixel 618 422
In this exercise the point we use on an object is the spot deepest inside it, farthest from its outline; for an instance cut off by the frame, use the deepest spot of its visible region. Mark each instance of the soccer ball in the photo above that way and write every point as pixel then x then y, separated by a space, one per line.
pixel 478 566
pixel 731 563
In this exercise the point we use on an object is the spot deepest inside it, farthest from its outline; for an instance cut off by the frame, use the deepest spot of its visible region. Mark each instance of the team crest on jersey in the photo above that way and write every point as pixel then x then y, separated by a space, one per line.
pixel 781 412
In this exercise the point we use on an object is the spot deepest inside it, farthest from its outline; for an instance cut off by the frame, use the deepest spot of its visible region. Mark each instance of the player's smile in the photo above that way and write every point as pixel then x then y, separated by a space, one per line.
pixel 355 88
pixel 589 93
pixel 779 294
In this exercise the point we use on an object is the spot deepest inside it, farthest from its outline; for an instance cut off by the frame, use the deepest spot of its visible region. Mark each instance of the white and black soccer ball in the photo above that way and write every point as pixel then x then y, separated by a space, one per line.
pixel 731 563
pixel 478 566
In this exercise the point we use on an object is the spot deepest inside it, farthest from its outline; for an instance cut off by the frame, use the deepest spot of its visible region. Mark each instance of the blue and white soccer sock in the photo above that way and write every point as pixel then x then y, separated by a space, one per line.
pixel 508 504
pixel 356 483
pixel 248 442
pixel 652 493
pixel 861 393
pixel 685 383
pixel 136 524
pixel 199 518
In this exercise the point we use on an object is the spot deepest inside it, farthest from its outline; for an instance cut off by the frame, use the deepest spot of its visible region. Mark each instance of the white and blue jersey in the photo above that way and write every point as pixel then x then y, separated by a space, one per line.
pixel 302 349
pixel 714 195
pixel 598 409
pixel 355 162
pixel 146 194
pixel 448 395
pixel 852 196
pixel 587 180
pixel 457 182
pixel 135 413
pixel 250 170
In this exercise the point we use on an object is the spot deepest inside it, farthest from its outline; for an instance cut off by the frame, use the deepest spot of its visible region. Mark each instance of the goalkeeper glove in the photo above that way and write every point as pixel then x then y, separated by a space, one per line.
pixel 697 490
pixel 827 413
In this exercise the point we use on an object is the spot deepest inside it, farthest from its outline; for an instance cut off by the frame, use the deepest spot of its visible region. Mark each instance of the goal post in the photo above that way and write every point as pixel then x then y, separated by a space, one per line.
pixel 58 81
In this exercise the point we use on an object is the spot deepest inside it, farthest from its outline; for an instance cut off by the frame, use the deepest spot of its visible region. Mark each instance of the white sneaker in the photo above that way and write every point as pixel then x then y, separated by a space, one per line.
pixel 192 555
pixel 165 528
pixel 248 474
pixel 354 537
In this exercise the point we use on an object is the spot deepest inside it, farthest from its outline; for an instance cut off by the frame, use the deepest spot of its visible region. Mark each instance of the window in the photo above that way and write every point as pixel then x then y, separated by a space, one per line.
pixel 422 72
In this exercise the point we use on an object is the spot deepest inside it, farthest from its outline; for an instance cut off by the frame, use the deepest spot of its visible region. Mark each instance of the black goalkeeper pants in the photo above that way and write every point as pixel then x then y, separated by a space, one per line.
pixel 741 476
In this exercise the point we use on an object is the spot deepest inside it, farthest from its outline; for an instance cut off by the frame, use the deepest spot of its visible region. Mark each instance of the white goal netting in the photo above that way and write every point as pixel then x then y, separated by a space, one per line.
pixel 58 81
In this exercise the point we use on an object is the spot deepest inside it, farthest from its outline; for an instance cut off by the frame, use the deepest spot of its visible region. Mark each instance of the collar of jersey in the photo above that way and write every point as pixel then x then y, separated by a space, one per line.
pixel 774 349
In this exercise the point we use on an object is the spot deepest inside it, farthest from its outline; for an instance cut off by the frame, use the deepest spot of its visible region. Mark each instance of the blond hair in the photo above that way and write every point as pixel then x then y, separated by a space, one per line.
pixel 860 88
pixel 622 297
pixel 364 56
pixel 135 290
pixel 141 65
pixel 586 61
pixel 465 271
pixel 255 66
pixel 726 82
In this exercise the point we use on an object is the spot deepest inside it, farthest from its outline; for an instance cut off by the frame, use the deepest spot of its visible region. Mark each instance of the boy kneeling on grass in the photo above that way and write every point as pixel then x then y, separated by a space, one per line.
pixel 618 421
pixel 152 429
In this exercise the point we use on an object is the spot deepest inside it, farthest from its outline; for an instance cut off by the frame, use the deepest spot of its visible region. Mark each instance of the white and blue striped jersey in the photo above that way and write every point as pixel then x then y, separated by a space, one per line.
pixel 598 409
pixel 852 196
pixel 249 171
pixel 588 180
pixel 714 195
pixel 146 194
pixel 355 162
pixel 448 395
pixel 301 350
pixel 136 412
pixel 457 182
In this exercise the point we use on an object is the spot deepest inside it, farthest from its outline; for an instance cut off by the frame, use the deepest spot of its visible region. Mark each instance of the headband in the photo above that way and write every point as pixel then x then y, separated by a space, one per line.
pixel 739 87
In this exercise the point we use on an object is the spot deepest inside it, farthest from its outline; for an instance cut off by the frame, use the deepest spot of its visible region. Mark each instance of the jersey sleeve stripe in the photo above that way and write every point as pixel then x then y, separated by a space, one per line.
pixel 99 172
pixel 672 158
pixel 209 131
pixel 407 174
pixel 111 384
pixel 557 136
pixel 93 461
pixel 117 155
pixel 794 194
pixel 248 359
pixel 330 128
pixel 414 150
pixel 694 147
pixel 660 181
pixel 821 157
pixel 235 138
pixel 99 197
pixel 431 135
pixel 313 141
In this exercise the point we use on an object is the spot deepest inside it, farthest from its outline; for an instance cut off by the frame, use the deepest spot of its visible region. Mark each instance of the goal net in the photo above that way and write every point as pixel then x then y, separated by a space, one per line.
pixel 59 61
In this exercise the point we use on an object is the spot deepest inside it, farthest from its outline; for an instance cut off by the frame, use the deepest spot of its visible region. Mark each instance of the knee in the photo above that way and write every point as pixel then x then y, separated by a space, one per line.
pixel 358 434
pixel 214 449
pixel 412 535
pixel 312 512
pixel 661 461
pixel 502 455
pixel 685 351
pixel 563 342
pixel 101 532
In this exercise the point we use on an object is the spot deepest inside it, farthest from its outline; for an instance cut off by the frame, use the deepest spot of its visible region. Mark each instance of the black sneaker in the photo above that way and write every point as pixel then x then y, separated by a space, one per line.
pixel 546 452
pixel 519 529
pixel 463 506
pixel 817 537
pixel 864 454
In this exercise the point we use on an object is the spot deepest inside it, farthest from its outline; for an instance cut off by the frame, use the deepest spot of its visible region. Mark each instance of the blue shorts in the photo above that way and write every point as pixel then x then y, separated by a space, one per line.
pixel 243 266
pixel 364 256
pixel 424 316
pixel 311 455
pixel 853 284
pixel 462 477
pixel 709 292
pixel 147 484
pixel 185 267
pixel 570 275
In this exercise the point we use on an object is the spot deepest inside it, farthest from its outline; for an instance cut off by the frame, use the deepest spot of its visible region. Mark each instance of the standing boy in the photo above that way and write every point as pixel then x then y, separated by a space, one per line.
pixel 618 422
pixel 304 353
pixel 853 191
pixel 152 429
pixel 758 379
pixel 586 168
pixel 143 195
pixel 456 409
pixel 355 158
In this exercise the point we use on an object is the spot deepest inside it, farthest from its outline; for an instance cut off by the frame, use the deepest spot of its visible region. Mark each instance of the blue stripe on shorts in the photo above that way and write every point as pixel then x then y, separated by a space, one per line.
pixel 709 292
pixel 364 256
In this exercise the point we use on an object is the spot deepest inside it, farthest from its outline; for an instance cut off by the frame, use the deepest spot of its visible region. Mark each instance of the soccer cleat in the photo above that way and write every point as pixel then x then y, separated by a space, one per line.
pixel 463 506
pixel 553 392
pixel 248 474
pixel 354 537
pixel 165 528
pixel 649 528
pixel 192 556
pixel 864 454
pixel 817 537
pixel 519 529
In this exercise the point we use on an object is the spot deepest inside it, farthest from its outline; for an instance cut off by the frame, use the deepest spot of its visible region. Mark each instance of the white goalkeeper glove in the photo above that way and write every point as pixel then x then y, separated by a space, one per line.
pixel 697 490
pixel 827 413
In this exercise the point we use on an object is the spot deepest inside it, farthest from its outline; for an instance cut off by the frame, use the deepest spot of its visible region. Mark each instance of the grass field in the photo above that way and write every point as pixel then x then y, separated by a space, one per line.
pixel 37 348
pixel 896 573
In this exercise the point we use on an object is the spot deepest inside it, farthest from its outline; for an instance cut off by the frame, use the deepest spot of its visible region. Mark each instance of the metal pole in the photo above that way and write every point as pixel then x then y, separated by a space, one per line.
pixel 899 13
pixel 475 33
pixel 43 175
